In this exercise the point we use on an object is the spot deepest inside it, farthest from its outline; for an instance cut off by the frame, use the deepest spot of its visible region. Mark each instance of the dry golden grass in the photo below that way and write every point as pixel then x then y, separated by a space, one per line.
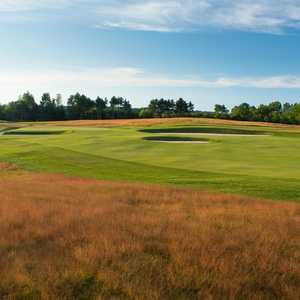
pixel 67 238
pixel 171 121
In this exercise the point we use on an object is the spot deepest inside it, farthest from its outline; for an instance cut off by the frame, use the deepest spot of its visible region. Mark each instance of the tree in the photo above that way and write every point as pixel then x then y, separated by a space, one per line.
pixel 58 100
pixel 145 113
pixel 190 107
pixel 60 112
pixel 115 104
pixel 275 112
pixel 243 112
pixel 263 113
pixel 2 112
pixel 181 107
pixel 80 107
pixel 292 113
pixel 47 108
pixel 221 111
pixel 101 106
pixel 24 109
pixel 162 107
pixel 120 108
pixel 165 108
pixel 126 109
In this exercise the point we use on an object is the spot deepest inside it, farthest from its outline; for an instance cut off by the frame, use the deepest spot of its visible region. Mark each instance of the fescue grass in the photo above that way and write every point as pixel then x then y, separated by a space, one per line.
pixel 72 238
pixel 168 121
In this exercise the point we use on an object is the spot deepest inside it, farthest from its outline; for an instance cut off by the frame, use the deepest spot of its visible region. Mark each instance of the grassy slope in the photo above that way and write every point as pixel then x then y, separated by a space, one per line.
pixel 259 166
pixel 69 238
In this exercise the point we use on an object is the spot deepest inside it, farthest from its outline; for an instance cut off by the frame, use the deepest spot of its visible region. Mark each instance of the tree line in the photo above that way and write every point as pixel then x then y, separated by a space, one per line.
pixel 274 112
pixel 80 107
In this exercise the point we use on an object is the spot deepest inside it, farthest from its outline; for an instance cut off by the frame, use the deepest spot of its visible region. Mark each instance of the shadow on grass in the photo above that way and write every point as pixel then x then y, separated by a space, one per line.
pixel 32 132
pixel 174 139
pixel 214 130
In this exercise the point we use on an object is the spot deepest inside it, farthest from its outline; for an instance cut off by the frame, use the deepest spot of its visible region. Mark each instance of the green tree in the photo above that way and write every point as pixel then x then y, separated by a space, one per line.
pixel 80 107
pixel 24 109
pixel 275 112
pixel 221 111
pixel 162 107
pixel 145 113
pixel 243 112
pixel 181 107
pixel 120 108
pixel 190 107
pixel 47 108
pixel 60 112
pixel 2 112
pixel 126 109
pixel 101 106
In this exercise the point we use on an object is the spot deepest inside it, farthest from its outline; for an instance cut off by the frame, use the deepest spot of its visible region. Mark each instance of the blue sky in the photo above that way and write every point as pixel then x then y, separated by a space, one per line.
pixel 207 51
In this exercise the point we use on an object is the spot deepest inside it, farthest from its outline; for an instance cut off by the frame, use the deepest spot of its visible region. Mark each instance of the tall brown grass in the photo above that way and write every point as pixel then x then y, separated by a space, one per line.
pixel 170 121
pixel 68 238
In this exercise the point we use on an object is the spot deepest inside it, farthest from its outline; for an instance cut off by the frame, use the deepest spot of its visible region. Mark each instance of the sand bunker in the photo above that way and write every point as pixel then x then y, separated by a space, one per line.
pixel 196 135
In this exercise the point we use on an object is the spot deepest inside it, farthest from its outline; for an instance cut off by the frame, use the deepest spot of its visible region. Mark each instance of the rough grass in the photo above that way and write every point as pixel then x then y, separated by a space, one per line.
pixel 66 238
pixel 169 121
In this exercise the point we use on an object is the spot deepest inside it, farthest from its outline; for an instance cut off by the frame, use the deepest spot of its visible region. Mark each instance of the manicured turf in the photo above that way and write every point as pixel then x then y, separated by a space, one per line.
pixel 266 165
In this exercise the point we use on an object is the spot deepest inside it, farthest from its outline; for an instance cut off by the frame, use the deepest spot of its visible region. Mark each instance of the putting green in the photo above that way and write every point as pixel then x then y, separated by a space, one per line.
pixel 265 165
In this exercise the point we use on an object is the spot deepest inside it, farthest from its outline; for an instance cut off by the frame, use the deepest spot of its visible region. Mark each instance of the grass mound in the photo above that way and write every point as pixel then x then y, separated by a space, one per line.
pixel 213 130
pixel 69 238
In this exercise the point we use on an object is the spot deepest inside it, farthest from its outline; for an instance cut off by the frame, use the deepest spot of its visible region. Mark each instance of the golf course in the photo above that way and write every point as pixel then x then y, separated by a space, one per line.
pixel 179 208
pixel 260 161
pixel 150 150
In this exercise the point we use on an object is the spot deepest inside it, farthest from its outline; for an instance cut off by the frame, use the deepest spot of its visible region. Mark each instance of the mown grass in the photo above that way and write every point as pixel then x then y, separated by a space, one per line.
pixel 261 165
pixel 72 238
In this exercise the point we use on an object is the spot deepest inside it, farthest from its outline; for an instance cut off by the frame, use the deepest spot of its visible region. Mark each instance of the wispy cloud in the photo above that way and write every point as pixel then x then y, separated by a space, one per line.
pixel 154 15
pixel 271 16
pixel 132 77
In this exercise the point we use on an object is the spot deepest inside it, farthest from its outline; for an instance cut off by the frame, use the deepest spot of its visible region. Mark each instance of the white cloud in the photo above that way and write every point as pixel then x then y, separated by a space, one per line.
pixel 132 77
pixel 168 15
pixel 272 16
pixel 272 82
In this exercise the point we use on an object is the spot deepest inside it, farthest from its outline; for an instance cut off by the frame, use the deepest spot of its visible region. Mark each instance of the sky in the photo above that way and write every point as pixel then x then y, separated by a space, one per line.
pixel 206 51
